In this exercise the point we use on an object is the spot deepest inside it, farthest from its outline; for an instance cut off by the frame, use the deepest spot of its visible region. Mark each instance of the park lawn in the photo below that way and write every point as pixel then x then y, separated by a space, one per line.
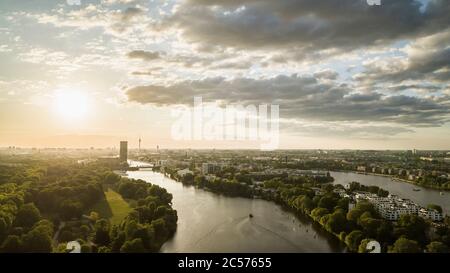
pixel 114 207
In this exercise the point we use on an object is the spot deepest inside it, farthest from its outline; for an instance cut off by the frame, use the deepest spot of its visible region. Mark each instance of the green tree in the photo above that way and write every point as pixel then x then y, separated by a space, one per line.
pixel 27 216
pixel 435 207
pixel 437 247
pixel 145 233
pixel 188 178
pixel 45 226
pixel 354 214
pixel 134 246
pixel 336 223
pixel 318 213
pixel 3 229
pixel 366 206
pixel 37 241
pixel 71 209
pixel 363 246
pixel 353 239
pixel 12 244
pixel 370 226
pixel 382 193
pixel 117 241
pixel 66 236
pixel 93 216
pixel 85 230
pixel 307 204
pixel 200 181
pixel 112 178
pixel 384 232
pixel 414 227
pixel 104 249
pixel 85 248
pixel 101 236
pixel 343 204
pixel 404 245
pixel 130 228
pixel 161 232
pixel 327 202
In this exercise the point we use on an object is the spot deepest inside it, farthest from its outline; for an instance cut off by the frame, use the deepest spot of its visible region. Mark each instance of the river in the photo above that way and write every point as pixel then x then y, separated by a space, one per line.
pixel 208 222
pixel 405 190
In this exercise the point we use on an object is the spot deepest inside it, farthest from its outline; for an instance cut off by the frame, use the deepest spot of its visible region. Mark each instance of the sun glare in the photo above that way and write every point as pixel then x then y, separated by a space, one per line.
pixel 71 104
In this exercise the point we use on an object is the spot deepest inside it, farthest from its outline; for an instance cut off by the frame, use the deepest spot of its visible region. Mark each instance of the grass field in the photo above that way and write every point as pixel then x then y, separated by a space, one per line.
pixel 114 207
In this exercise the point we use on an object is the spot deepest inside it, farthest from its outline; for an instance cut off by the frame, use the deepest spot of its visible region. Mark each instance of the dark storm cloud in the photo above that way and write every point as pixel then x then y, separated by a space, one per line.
pixel 302 98
pixel 307 25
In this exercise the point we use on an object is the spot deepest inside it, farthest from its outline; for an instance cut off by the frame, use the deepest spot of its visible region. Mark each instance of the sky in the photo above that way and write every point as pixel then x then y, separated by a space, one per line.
pixel 345 75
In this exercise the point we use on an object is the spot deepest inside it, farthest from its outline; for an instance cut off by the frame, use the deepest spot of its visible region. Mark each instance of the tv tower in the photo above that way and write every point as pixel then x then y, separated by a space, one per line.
pixel 140 140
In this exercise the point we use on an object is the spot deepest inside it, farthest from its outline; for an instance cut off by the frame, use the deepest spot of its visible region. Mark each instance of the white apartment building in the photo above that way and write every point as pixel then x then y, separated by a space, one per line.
pixel 431 214
pixel 393 207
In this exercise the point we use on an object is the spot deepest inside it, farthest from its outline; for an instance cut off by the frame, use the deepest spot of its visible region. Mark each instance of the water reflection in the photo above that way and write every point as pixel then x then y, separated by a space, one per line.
pixel 405 190
pixel 214 223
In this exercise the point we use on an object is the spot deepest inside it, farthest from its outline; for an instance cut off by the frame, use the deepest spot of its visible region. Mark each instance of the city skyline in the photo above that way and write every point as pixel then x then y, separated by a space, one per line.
pixel 346 75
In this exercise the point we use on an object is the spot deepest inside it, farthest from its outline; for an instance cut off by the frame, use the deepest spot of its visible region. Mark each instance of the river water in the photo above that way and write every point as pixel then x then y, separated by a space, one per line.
pixel 405 190
pixel 208 222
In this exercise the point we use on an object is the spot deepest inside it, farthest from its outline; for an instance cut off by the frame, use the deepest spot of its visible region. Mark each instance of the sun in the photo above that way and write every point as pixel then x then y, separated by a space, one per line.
pixel 72 104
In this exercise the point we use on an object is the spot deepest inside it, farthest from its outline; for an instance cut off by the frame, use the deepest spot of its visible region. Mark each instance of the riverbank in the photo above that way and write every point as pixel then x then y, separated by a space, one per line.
pixel 396 179
pixel 219 223
pixel 274 198
pixel 313 221
pixel 325 206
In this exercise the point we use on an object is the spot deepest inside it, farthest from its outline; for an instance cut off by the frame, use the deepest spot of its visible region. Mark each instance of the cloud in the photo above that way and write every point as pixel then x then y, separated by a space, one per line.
pixel 419 87
pixel 426 59
pixel 114 21
pixel 143 55
pixel 326 74
pixel 342 130
pixel 301 97
pixel 129 13
pixel 115 2
pixel 305 26
pixel 240 64
pixel 393 60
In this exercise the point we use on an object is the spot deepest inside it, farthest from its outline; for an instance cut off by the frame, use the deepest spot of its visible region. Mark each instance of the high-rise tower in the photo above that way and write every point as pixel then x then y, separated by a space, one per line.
pixel 123 151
